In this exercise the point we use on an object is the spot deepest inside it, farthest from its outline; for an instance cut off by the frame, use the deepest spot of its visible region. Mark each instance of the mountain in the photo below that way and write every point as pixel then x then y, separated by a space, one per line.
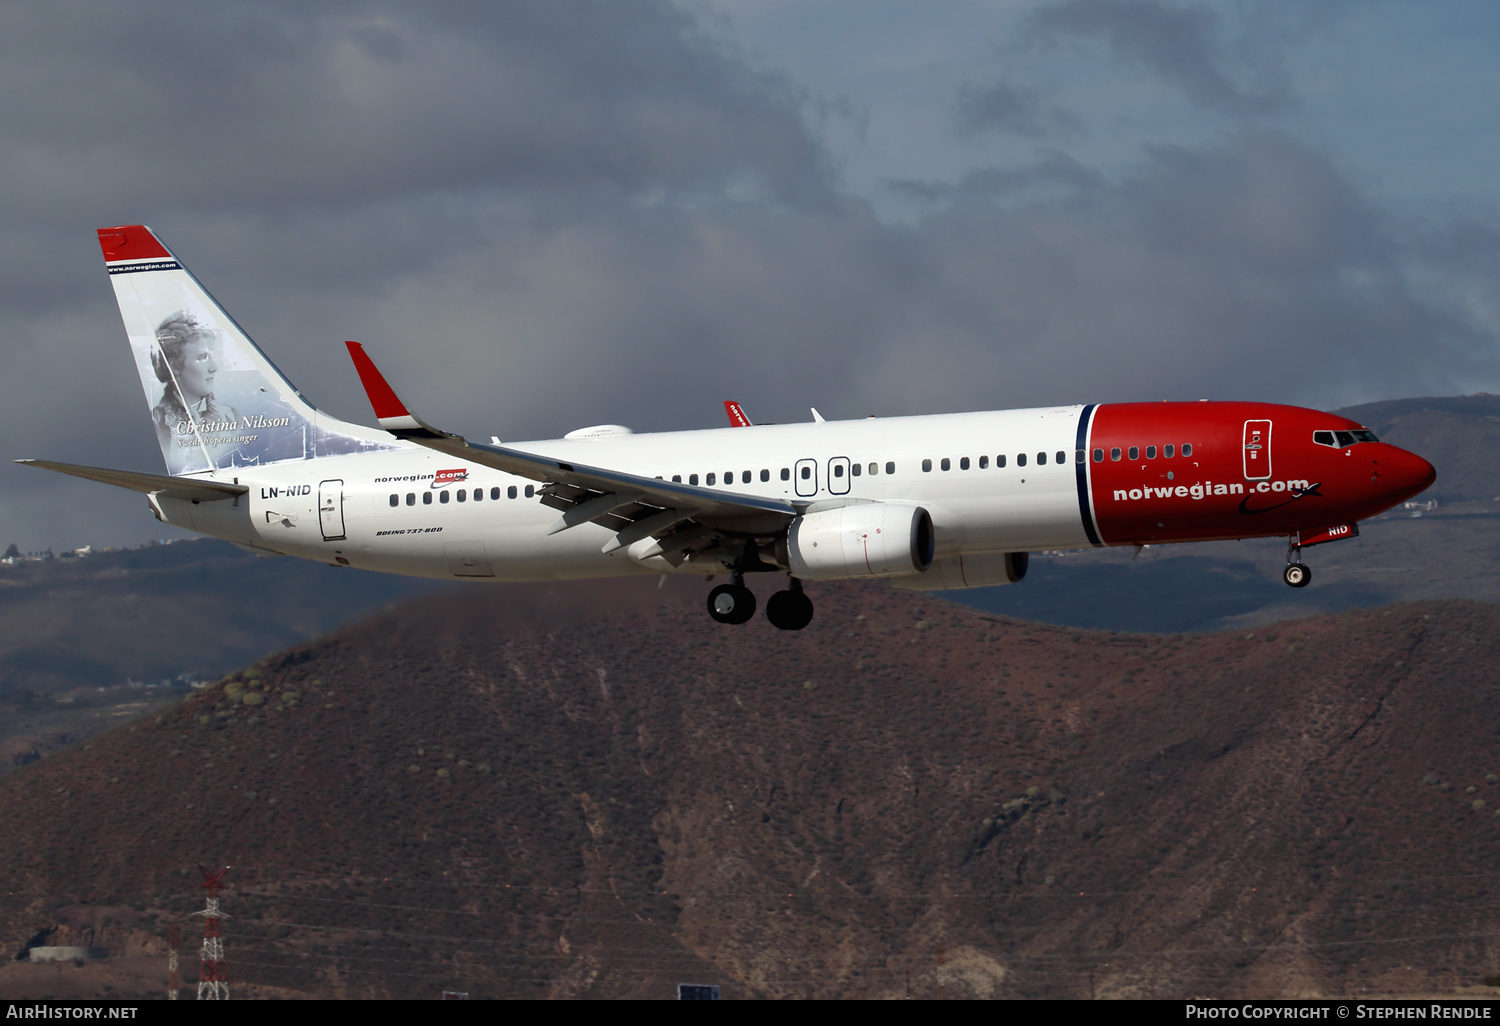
pixel 591 790
pixel 197 608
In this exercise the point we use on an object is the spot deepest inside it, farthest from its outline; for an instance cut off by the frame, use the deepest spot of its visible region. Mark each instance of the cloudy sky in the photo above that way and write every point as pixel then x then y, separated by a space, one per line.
pixel 544 214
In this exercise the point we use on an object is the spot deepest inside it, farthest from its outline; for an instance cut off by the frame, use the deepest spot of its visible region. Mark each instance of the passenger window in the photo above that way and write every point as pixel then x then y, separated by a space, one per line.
pixel 530 491
pixel 510 493
pixel 677 479
pixel 806 474
pixel 1021 459
pixel 1344 437
pixel 411 498
pixel 1041 459
pixel 1000 461
pixel 874 469
pixel 729 478
pixel 1114 454
pixel 984 462
pixel 495 493
pixel 786 474
pixel 838 470
pixel 963 464
pixel 692 479
pixel 1079 456
pixel 1150 452
pixel 890 468
pixel 1135 452
pixel 745 476
pixel 926 466
pixel 856 469
pixel 478 494
pixel 710 479
pixel 443 495
pixel 947 464
pixel 427 498
pixel 1098 455
pixel 765 475
pixel 1167 451
pixel 1187 449
pixel 1062 457
pixel 463 495
pixel 395 500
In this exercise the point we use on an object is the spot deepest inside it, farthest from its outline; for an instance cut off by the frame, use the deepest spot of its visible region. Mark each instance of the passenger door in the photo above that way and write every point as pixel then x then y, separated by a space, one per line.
pixel 1257 449
pixel 331 509
pixel 838 475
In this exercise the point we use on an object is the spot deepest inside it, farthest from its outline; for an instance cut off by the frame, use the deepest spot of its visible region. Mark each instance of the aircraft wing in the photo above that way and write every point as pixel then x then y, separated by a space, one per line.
pixel 192 489
pixel 634 507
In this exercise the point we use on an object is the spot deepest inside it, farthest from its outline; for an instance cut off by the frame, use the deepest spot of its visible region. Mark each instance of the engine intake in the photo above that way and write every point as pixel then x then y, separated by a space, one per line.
pixel 868 539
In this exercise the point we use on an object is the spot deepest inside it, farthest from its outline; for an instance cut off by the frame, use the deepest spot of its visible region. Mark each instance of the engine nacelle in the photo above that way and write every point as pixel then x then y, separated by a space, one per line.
pixel 869 539
pixel 983 571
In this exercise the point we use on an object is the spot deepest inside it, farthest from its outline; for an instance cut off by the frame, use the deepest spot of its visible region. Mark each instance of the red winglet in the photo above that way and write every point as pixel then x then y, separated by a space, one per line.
pixel 131 242
pixel 382 396
pixel 737 416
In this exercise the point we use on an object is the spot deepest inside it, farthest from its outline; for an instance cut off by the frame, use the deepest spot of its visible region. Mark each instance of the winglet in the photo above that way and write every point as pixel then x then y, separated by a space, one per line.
pixel 737 416
pixel 389 409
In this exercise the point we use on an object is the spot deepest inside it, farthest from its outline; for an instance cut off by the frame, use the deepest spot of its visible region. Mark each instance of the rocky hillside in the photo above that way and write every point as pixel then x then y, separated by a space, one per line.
pixel 591 790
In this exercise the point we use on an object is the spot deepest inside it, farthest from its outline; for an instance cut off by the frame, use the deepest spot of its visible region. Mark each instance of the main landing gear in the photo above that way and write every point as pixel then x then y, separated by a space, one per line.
pixel 733 602
pixel 789 610
pixel 1297 574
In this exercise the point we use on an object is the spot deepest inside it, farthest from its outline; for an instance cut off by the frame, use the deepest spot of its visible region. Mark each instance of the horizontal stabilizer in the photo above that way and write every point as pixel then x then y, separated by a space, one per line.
pixel 171 487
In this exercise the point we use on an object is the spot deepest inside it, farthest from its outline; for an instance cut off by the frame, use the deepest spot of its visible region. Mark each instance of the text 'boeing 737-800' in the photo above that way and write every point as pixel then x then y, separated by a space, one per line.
pixel 930 502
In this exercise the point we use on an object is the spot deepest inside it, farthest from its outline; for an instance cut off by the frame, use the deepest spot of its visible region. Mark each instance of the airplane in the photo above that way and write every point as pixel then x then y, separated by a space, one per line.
pixel 932 503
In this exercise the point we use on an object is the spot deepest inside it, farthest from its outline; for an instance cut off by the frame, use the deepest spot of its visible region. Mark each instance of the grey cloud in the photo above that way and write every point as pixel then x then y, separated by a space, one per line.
pixel 262 105
pixel 1054 171
pixel 649 277
pixel 1185 46
pixel 1006 106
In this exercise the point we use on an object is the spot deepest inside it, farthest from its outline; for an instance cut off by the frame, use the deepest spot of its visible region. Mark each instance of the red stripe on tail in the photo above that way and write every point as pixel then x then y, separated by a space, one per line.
pixel 130 242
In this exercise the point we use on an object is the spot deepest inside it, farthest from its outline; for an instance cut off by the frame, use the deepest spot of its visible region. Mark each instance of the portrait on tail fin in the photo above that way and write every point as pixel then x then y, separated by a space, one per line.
pixel 186 363
pixel 216 401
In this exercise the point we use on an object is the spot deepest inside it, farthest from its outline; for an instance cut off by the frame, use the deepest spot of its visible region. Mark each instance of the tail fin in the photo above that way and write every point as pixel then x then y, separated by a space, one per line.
pixel 216 400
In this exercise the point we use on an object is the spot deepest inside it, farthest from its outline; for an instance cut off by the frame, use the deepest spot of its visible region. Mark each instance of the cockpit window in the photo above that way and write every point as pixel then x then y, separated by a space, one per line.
pixel 1341 439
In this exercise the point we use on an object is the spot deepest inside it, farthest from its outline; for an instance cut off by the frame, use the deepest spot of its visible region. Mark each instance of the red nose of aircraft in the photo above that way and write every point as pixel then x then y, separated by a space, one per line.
pixel 1401 474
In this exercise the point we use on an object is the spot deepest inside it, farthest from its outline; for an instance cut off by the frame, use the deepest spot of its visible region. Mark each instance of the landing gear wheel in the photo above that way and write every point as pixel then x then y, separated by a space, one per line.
pixel 789 610
pixel 731 603
pixel 1297 575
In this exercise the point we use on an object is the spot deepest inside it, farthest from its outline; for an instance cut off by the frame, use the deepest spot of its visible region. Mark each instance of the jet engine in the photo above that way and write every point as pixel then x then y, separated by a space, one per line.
pixel 868 539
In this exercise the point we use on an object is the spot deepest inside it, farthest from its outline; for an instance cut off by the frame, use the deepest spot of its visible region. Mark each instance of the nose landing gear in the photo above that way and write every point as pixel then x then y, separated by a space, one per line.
pixel 790 610
pixel 1297 574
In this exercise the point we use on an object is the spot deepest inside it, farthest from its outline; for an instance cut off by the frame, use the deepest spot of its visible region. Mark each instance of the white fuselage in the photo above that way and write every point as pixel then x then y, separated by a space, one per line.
pixel 338 509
